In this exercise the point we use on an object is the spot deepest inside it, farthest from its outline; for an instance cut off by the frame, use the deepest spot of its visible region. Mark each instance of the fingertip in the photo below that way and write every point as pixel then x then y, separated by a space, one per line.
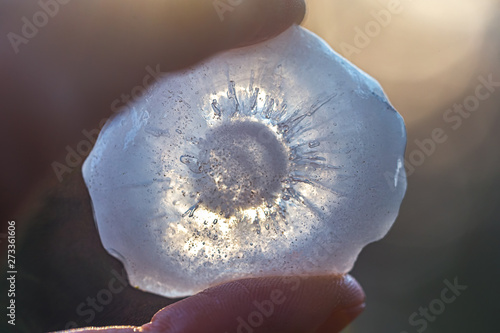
pixel 302 304
pixel 340 319
pixel 272 18
pixel 351 305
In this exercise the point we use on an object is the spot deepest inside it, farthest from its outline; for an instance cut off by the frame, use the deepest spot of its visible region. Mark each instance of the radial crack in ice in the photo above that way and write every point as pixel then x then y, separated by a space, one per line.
pixel 275 159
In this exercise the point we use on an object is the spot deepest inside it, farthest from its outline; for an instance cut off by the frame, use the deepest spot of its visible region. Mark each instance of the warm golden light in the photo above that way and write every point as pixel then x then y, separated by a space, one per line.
pixel 424 52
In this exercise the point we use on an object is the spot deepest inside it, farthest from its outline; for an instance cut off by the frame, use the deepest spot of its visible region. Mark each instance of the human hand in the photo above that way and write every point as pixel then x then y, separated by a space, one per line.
pixel 65 78
pixel 320 304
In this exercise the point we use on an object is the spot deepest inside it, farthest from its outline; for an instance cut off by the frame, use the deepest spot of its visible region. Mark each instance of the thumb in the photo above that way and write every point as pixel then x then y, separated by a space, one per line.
pixel 93 53
pixel 276 304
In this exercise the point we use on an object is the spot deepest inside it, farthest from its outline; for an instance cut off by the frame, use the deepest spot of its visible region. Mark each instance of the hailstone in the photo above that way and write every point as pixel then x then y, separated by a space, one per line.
pixel 280 158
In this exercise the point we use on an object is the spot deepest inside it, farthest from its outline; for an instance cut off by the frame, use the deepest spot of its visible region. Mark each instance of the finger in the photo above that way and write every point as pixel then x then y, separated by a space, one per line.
pixel 112 329
pixel 323 304
pixel 99 49
pixel 277 304
pixel 64 78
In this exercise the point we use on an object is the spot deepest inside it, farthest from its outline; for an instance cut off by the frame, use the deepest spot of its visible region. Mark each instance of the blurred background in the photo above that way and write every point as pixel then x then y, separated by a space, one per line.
pixel 439 63
pixel 431 57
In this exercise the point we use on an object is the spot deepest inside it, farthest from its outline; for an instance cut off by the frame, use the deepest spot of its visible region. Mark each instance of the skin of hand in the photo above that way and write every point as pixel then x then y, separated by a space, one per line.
pixel 65 78
pixel 321 304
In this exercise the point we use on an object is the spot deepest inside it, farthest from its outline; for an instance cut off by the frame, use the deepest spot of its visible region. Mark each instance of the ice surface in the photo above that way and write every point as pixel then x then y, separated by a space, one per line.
pixel 274 159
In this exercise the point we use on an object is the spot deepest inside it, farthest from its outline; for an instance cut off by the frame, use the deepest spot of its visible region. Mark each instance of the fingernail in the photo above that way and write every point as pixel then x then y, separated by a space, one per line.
pixel 340 319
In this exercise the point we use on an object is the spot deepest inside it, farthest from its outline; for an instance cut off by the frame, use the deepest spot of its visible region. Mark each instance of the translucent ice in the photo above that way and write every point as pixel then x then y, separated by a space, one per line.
pixel 274 159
